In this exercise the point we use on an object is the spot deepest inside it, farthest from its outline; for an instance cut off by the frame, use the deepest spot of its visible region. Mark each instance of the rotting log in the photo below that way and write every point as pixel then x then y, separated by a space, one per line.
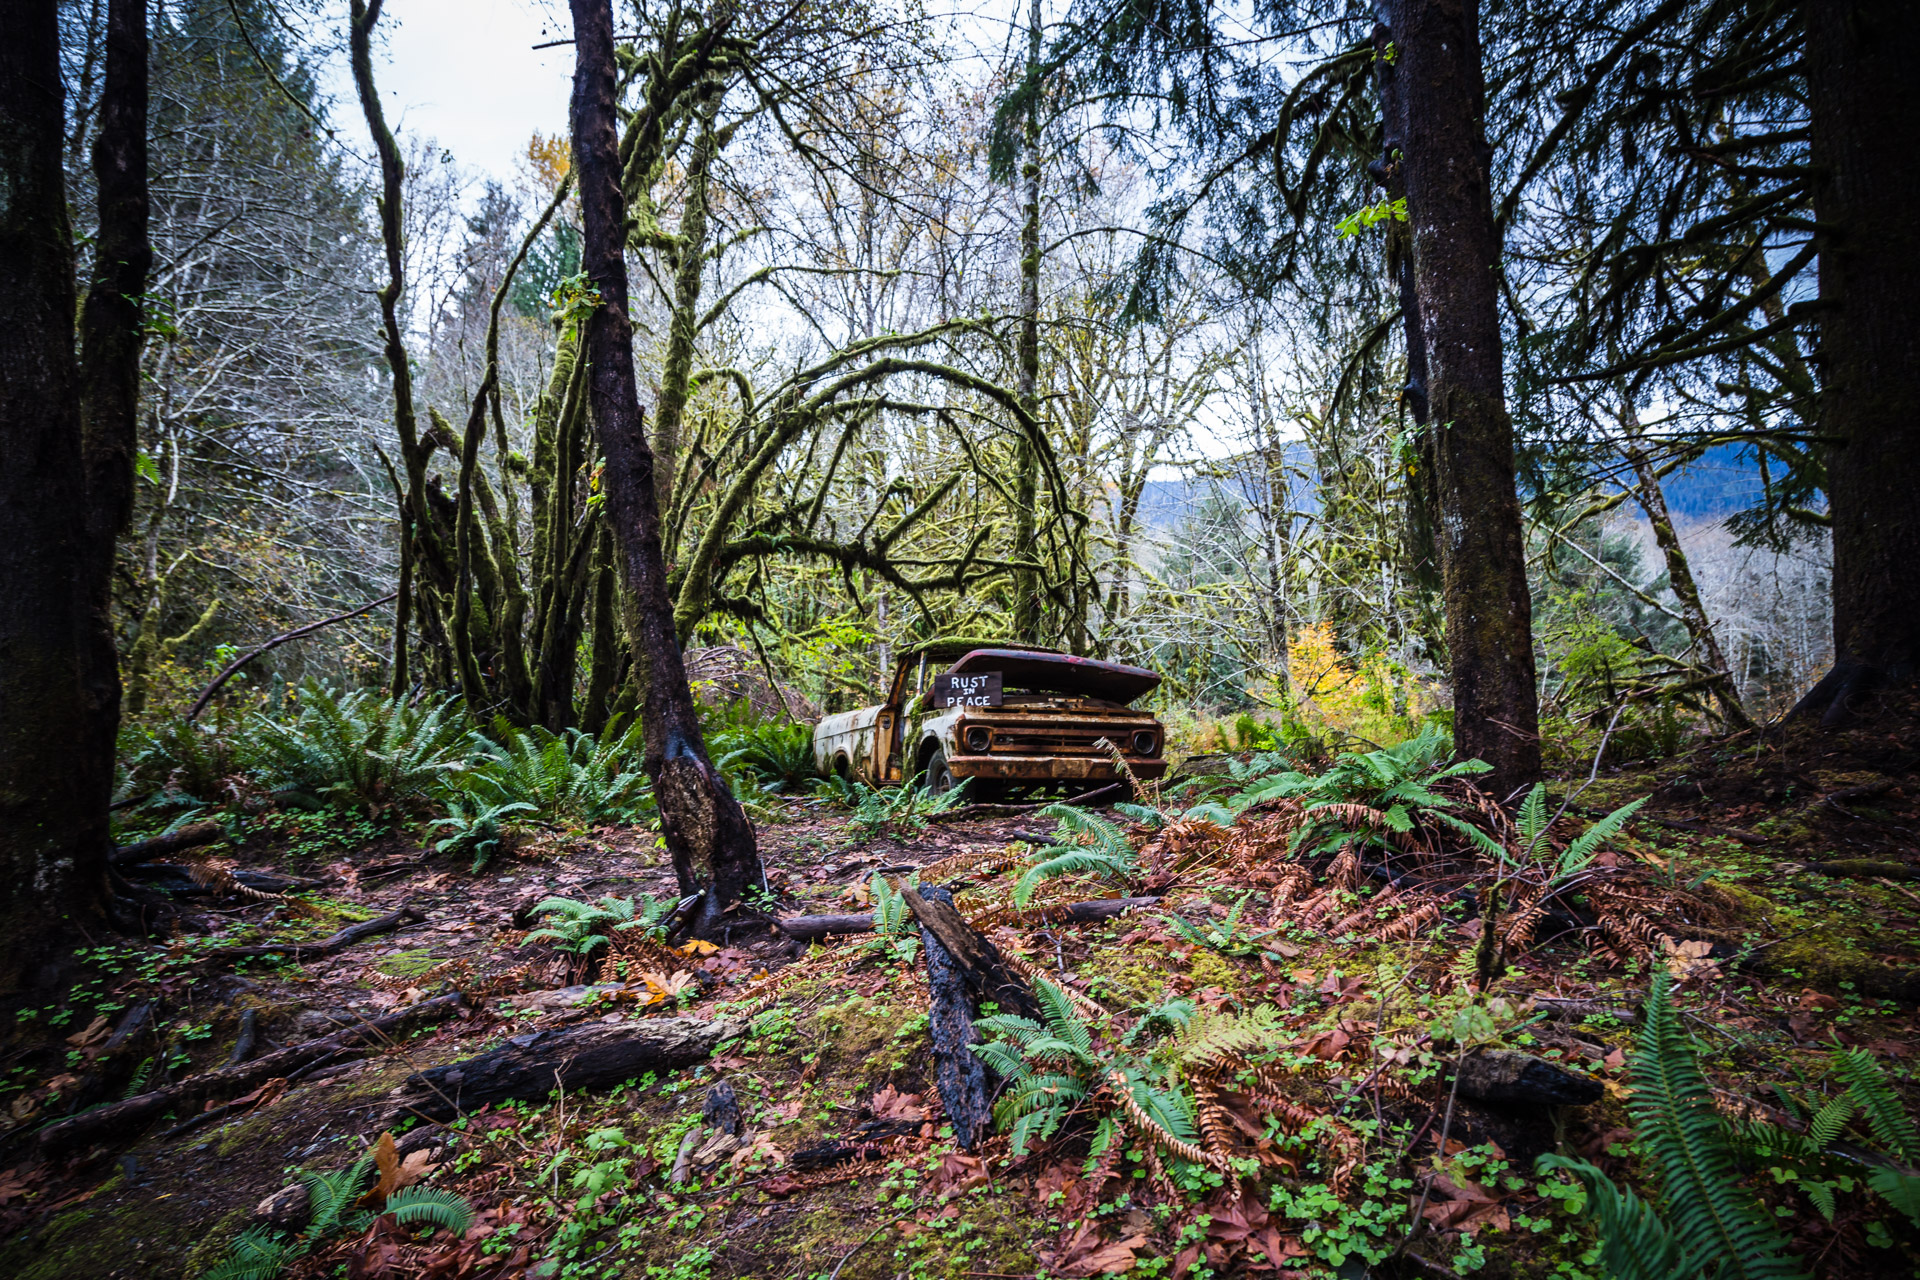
pixel 123 1119
pixel 596 1056
pixel 191 836
pixel 1574 1010
pixel 340 941
pixel 958 1073
pixel 814 928
pixel 1504 1075
pixel 171 877
pixel 977 961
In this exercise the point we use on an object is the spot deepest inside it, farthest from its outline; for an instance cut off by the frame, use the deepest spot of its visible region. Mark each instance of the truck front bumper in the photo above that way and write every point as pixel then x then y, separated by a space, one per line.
pixel 1052 768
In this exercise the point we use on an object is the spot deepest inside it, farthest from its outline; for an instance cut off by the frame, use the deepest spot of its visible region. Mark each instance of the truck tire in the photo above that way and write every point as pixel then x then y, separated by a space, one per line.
pixel 939 778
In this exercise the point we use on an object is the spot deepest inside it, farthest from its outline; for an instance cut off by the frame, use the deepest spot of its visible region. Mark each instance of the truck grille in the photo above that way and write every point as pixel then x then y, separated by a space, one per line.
pixel 1023 740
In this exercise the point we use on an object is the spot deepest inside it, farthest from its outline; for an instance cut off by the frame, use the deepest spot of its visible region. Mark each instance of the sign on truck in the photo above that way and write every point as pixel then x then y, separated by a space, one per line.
pixel 973 689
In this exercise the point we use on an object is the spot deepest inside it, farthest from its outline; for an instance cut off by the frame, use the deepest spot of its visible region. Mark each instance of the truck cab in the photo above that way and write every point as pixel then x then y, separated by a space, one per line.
pixel 1007 716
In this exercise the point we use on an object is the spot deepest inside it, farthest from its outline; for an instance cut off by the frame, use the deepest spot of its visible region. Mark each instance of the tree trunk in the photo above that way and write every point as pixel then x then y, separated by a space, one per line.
pixel 1693 609
pixel 53 821
pixel 1864 111
pixel 706 831
pixel 1456 255
pixel 416 523
pixel 1026 478
pixel 111 333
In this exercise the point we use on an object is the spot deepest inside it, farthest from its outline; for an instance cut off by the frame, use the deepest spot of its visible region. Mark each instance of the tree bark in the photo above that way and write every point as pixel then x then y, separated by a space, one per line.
pixel 707 833
pixel 416 522
pixel 1864 112
pixel 112 330
pixel 1456 256
pixel 595 1056
pixel 1693 607
pixel 53 819
pixel 121 1121
pixel 1026 479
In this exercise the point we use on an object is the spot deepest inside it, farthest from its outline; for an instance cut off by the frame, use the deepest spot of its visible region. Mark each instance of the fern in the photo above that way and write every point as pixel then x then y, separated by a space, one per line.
pixel 331 1195
pixel 1107 851
pixel 1582 850
pixel 896 935
pixel 477 829
pixel 256 1254
pixel 412 1206
pixel 1710 1218
pixel 1054 1066
pixel 1634 1243
pixel 581 928
pixel 779 755
pixel 1867 1087
pixel 363 749
pixel 1224 937
pixel 570 776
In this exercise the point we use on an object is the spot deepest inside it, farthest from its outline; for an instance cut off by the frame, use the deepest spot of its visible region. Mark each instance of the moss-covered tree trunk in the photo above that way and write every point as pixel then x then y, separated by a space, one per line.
pixel 1456 256
pixel 1027 584
pixel 53 818
pixel 707 833
pixel 1865 117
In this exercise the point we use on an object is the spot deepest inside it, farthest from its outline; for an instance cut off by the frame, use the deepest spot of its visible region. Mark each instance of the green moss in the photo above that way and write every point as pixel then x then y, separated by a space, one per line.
pixel 407 964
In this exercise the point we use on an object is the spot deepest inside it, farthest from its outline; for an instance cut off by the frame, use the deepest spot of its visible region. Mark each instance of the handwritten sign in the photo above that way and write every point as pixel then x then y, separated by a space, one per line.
pixel 976 689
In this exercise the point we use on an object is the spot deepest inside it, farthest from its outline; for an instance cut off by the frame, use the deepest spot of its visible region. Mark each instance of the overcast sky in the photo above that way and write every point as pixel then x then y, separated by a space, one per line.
pixel 465 73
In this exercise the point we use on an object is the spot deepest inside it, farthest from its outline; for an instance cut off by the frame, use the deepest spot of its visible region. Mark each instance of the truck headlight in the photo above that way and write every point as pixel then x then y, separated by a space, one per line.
pixel 979 738
pixel 1146 743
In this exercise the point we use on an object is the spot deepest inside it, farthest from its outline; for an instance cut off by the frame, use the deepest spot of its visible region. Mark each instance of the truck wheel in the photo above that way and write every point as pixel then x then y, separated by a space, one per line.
pixel 939 777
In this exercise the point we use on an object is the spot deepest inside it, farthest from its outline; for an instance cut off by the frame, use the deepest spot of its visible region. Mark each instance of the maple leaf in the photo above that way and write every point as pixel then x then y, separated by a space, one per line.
pixel 1085 1254
pixel 890 1104
pixel 14 1184
pixel 958 1174
pixel 395 1173
pixel 96 1031
pixel 667 986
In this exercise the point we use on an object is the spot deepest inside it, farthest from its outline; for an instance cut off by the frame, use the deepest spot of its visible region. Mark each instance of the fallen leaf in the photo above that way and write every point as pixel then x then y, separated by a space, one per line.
pixel 957 1175
pixel 96 1032
pixel 387 1161
pixel 14 1184
pixel 890 1104
pixel 1085 1254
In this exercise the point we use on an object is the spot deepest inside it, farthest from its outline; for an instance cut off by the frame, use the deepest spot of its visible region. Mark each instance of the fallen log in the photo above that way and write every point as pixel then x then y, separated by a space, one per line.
pixel 595 1056
pixel 977 961
pixel 340 941
pixel 123 1119
pixel 1574 1010
pixel 958 1072
pixel 1504 1075
pixel 191 836
pixel 173 878
pixel 814 928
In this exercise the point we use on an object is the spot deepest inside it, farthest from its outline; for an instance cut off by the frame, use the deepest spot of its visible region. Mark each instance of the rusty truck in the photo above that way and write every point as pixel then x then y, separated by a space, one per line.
pixel 1007 717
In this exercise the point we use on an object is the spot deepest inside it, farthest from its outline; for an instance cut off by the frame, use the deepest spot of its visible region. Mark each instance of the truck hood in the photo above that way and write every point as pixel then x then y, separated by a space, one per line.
pixel 1060 673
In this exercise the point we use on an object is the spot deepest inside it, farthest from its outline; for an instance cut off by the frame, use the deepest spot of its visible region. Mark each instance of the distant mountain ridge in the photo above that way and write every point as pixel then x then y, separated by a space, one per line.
pixel 1720 483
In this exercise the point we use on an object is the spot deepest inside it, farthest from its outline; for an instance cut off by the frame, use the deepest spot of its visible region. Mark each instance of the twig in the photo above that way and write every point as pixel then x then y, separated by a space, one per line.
pixel 1446 1127
pixel 857 1248
pixel 227 672
pixel 340 941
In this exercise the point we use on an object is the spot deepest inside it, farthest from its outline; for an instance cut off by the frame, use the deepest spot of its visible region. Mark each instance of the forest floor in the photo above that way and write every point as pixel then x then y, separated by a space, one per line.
pixel 1783 870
